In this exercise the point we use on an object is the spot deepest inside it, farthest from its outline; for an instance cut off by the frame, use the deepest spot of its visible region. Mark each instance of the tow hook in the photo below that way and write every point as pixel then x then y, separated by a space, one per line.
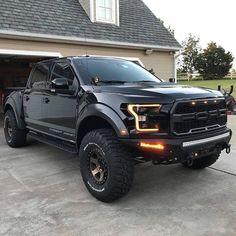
pixel 228 149
pixel 155 163
pixel 190 161
pixel 191 158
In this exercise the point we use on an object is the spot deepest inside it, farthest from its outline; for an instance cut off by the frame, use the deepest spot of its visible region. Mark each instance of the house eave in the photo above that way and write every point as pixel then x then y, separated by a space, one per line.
pixel 5 34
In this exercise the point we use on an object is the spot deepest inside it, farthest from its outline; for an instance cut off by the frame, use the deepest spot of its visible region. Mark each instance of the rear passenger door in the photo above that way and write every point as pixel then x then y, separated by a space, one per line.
pixel 32 99
pixel 59 110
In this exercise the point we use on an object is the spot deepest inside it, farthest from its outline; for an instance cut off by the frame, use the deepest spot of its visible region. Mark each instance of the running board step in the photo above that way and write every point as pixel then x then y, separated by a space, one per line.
pixel 63 145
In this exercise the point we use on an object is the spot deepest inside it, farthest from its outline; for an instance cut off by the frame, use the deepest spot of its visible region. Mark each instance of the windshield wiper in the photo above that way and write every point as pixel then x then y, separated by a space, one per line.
pixel 96 81
pixel 112 81
pixel 145 81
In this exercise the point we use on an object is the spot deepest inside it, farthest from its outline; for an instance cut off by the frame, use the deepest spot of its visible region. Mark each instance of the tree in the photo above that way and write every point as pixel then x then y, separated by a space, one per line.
pixel 214 62
pixel 190 53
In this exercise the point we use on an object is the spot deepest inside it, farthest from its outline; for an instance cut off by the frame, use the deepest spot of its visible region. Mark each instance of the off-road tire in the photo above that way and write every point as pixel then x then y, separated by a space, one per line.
pixel 119 165
pixel 231 106
pixel 202 162
pixel 17 138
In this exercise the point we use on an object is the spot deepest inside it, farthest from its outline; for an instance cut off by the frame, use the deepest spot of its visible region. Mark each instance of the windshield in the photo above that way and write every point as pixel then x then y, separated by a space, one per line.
pixel 112 70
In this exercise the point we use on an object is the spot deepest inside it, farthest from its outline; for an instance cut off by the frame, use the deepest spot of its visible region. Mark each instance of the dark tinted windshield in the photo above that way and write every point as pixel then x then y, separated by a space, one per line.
pixel 108 70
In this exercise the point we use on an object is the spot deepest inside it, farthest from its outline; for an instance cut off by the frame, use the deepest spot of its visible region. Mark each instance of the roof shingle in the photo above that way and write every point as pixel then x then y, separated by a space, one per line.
pixel 138 24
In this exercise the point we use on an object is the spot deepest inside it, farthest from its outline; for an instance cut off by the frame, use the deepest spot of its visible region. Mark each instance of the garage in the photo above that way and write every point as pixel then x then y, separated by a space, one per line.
pixel 15 67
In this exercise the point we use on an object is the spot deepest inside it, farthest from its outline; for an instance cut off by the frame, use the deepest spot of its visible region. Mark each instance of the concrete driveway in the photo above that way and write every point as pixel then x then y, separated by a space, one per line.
pixel 42 194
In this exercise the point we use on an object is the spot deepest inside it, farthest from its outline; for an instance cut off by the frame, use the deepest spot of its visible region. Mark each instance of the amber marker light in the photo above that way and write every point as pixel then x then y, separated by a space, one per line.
pixel 152 146
pixel 123 132
pixel 136 116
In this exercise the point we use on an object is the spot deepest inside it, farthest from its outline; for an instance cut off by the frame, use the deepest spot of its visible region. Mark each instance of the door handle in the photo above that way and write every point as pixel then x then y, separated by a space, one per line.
pixel 46 100
pixel 27 98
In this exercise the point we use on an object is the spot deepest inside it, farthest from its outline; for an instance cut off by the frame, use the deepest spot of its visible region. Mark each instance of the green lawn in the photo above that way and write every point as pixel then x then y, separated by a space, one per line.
pixel 213 84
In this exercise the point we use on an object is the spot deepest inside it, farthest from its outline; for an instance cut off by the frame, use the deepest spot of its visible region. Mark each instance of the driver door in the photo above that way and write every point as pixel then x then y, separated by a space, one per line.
pixel 59 110
pixel 32 99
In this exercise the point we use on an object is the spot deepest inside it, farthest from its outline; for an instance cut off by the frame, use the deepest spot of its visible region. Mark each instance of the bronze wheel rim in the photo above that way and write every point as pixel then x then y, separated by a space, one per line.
pixel 98 167
pixel 8 128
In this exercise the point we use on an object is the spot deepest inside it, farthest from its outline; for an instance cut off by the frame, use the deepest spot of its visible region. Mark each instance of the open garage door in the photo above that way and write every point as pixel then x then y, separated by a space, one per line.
pixel 15 67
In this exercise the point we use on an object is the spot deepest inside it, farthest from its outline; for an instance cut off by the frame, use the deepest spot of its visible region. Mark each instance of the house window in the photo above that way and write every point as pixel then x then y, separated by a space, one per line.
pixel 107 11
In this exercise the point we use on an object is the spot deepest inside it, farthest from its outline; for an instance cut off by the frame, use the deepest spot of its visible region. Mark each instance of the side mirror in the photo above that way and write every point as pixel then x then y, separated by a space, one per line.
pixel 172 80
pixel 60 83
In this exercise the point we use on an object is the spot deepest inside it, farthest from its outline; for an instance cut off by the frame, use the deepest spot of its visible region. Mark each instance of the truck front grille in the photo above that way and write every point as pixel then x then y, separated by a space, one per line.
pixel 190 117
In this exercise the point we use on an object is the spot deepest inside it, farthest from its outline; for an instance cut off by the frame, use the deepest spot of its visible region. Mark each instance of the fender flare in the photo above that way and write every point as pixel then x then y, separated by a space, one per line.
pixel 17 109
pixel 104 112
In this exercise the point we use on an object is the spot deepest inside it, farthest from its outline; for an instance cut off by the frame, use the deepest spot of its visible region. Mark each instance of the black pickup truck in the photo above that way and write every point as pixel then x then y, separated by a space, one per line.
pixel 115 114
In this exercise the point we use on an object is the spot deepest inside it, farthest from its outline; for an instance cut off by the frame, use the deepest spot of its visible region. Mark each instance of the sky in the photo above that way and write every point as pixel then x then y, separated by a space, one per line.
pixel 210 20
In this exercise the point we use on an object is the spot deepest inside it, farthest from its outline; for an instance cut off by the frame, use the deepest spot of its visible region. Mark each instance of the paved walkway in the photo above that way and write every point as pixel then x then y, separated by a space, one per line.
pixel 42 194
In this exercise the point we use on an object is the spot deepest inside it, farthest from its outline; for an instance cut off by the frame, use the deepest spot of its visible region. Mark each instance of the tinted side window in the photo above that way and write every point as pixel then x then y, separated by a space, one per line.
pixel 40 76
pixel 63 70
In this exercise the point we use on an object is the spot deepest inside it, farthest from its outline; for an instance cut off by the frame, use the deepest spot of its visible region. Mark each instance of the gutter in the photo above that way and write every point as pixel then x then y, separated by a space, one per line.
pixel 5 34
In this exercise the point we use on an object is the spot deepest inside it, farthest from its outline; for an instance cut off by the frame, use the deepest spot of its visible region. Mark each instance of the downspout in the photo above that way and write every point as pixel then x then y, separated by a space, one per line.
pixel 176 56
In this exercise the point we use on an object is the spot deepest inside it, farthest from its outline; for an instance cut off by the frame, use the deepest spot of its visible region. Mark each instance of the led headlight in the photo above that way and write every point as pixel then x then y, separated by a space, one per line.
pixel 143 115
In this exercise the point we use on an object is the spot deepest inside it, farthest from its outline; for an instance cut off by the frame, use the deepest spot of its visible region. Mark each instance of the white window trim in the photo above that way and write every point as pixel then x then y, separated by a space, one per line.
pixel 92 11
pixel 118 12
pixel 115 13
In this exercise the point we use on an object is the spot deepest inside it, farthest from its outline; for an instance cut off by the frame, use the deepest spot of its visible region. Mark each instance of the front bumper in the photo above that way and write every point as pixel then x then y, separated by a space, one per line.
pixel 182 149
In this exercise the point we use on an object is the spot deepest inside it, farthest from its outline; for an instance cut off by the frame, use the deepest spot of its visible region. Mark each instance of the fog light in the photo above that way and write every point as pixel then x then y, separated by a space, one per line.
pixel 157 146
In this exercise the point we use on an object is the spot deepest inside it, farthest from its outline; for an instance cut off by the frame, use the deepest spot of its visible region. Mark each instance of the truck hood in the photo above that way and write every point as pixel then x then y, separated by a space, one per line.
pixel 163 92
